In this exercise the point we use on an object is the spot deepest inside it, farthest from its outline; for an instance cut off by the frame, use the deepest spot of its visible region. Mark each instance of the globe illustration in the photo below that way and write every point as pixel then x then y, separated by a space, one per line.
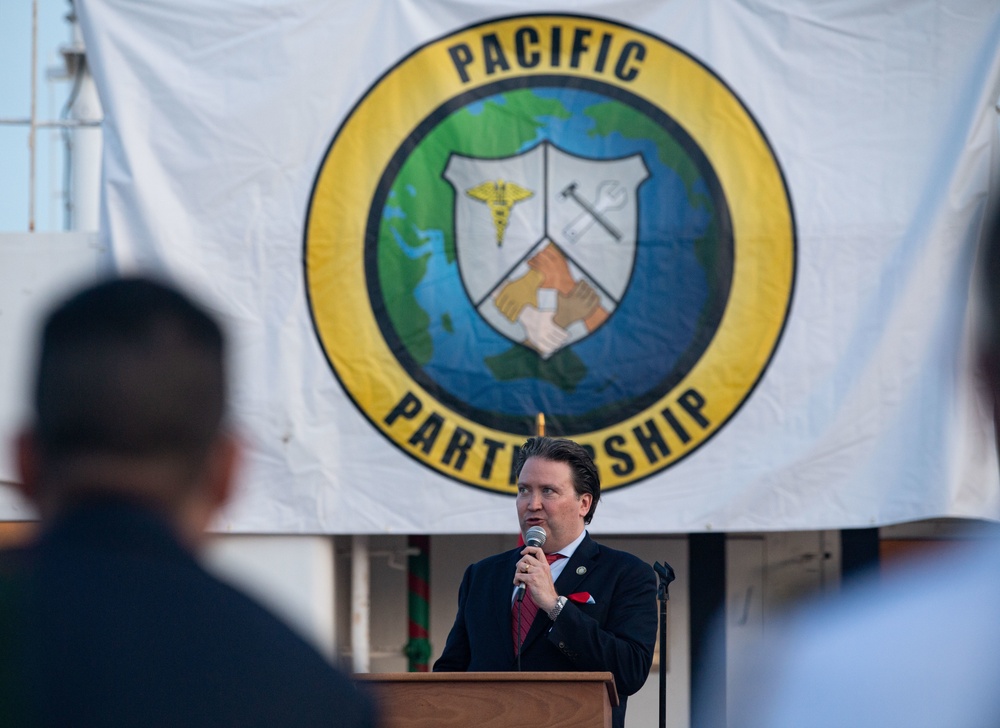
pixel 660 327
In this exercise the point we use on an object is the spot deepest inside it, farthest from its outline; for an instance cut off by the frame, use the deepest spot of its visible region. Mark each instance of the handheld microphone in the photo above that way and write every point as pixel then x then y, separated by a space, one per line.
pixel 534 536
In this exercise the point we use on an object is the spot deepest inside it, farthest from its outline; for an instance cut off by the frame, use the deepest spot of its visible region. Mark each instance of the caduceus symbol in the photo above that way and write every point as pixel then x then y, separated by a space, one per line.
pixel 500 196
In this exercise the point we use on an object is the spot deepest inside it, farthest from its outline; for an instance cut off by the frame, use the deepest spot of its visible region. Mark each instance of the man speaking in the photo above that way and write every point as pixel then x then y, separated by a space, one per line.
pixel 585 607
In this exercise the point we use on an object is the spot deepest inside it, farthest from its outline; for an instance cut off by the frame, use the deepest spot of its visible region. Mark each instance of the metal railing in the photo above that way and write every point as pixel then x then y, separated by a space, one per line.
pixel 75 60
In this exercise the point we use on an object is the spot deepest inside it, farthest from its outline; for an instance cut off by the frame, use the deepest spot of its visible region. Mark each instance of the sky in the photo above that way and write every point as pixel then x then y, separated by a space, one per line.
pixel 15 102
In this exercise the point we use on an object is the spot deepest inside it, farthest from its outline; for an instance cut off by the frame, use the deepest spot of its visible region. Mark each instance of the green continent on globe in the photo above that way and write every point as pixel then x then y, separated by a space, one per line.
pixel 565 369
pixel 409 319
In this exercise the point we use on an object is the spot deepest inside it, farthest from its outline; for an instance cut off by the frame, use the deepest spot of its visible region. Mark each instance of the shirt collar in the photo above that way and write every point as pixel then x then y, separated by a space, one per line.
pixel 570 548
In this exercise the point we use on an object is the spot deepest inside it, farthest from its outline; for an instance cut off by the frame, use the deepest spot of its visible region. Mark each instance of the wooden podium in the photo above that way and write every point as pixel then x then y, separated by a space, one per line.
pixel 493 699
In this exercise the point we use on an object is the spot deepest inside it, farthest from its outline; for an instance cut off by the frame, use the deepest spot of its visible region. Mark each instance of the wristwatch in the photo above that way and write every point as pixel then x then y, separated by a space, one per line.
pixel 560 603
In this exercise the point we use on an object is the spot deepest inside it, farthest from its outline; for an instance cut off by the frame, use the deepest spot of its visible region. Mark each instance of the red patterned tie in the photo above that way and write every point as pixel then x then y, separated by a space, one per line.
pixel 528 609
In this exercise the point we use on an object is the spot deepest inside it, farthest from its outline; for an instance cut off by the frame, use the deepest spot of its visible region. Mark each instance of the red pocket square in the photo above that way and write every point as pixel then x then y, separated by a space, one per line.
pixel 582 598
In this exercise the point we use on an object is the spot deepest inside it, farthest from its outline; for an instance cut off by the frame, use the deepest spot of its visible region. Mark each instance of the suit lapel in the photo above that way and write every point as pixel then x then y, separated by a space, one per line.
pixel 500 603
pixel 579 567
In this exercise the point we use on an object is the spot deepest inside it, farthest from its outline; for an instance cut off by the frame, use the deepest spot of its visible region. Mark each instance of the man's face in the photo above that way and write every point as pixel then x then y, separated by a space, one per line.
pixel 546 498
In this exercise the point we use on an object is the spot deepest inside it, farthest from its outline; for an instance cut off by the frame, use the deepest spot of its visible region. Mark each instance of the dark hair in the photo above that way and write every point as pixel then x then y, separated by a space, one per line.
pixel 585 476
pixel 129 366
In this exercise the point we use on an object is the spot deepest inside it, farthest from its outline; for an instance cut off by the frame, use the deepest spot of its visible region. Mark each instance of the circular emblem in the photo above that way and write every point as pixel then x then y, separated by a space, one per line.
pixel 549 215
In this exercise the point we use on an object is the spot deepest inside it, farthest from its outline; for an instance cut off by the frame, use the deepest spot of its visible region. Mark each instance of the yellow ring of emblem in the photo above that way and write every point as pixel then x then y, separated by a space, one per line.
pixel 761 218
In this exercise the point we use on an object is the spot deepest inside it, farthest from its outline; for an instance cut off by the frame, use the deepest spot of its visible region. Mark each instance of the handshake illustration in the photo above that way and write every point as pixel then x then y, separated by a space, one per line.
pixel 547 330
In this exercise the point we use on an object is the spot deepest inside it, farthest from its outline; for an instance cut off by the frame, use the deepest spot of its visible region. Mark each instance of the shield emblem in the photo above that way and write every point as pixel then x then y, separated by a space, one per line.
pixel 545 240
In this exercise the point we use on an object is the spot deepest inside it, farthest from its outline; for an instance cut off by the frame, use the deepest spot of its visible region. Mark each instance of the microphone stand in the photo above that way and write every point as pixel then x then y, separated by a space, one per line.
pixel 666 575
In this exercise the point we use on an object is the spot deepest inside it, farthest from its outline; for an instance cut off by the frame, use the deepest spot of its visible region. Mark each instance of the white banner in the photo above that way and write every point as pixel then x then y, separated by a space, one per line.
pixel 726 245
pixel 38 269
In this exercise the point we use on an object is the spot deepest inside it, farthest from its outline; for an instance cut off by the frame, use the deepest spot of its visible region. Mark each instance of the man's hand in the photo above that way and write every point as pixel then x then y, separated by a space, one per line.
pixel 518 294
pixel 543 335
pixel 596 319
pixel 579 304
pixel 533 571
pixel 551 264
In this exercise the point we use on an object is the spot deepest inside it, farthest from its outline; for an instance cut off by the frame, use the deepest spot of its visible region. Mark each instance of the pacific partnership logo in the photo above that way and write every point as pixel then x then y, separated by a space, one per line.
pixel 554 215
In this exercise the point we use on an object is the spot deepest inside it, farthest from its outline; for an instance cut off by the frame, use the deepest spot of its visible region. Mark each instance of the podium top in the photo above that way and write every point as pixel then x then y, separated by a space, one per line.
pixel 487 676
pixel 494 677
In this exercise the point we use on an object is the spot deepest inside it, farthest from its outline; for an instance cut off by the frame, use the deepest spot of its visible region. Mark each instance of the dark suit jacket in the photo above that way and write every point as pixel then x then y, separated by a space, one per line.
pixel 616 633
pixel 108 621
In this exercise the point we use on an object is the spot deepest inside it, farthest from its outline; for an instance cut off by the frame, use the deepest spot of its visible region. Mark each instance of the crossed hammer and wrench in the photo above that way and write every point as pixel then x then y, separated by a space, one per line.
pixel 610 196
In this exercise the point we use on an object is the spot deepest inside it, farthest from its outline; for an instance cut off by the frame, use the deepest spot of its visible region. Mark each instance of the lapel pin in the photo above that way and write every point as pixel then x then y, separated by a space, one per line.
pixel 581 570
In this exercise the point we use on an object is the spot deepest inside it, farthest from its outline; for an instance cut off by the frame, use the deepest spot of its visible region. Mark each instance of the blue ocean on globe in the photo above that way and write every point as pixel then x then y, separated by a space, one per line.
pixel 634 354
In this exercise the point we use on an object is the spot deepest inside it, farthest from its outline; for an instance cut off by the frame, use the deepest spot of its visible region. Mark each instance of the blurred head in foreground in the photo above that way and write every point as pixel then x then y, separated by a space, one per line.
pixel 129 402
